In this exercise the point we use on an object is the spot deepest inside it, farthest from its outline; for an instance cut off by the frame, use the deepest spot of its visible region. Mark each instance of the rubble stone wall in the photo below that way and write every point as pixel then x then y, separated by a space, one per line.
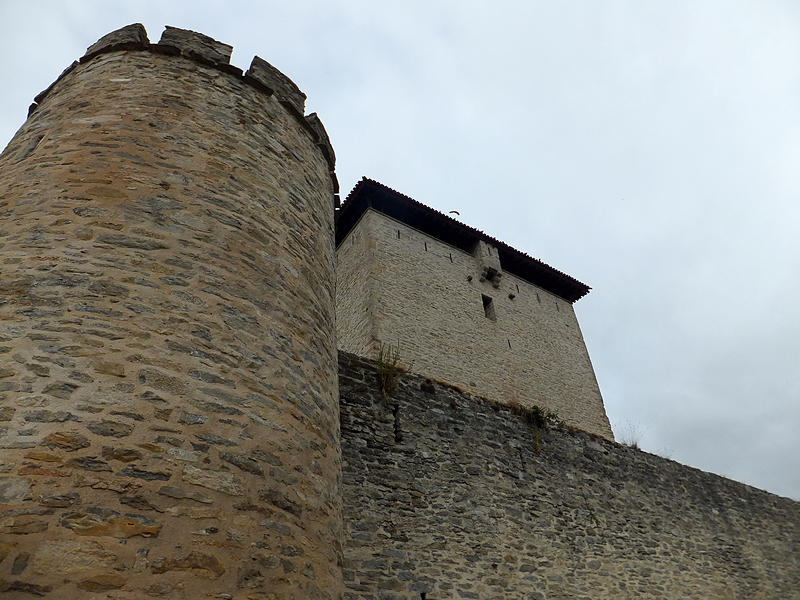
pixel 168 408
pixel 445 497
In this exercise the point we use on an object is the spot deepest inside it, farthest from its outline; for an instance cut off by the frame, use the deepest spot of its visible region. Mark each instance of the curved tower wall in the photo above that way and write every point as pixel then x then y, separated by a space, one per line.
pixel 168 390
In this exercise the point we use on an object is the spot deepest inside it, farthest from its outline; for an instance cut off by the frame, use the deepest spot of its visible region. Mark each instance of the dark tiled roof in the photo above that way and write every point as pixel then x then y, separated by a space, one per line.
pixel 370 194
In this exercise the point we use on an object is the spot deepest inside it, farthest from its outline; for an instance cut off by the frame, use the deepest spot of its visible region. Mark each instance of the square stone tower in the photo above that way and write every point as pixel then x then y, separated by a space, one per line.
pixel 461 307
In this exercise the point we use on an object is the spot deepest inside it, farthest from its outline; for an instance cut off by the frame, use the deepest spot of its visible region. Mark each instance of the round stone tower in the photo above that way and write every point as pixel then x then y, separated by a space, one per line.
pixel 168 392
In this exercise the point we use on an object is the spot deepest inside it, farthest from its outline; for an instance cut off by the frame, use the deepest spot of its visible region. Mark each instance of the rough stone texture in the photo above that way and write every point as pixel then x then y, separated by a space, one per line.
pixel 356 278
pixel 284 88
pixel 401 287
pixel 166 298
pixel 463 507
pixel 323 140
pixel 197 45
pixel 127 38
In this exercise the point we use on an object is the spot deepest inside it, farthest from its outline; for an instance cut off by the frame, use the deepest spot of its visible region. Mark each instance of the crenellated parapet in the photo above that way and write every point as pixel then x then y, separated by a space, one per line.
pixel 207 51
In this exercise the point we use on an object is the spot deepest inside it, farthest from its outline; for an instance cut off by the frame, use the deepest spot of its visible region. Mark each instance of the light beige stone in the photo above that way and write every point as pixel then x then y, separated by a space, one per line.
pixel 404 289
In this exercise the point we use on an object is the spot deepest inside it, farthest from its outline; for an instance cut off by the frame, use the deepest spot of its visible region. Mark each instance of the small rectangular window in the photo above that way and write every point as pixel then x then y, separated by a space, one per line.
pixel 488 308
pixel 426 246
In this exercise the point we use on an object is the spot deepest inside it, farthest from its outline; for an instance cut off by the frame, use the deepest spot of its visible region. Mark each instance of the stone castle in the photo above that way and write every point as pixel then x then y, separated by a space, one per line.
pixel 176 420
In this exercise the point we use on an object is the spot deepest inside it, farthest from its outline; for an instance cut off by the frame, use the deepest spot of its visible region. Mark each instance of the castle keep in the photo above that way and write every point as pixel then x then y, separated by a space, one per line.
pixel 461 307
pixel 176 422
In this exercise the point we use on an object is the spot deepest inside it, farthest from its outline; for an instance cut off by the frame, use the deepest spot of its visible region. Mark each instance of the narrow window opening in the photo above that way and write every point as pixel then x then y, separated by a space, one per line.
pixel 557 309
pixel 398 234
pixel 509 344
pixel 426 246
pixel 517 287
pixel 488 308
pixel 451 257
pixel 539 300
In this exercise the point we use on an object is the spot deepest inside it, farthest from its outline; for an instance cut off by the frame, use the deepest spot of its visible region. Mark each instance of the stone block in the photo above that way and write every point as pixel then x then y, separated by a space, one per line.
pixel 197 46
pixel 323 141
pixel 284 89
pixel 130 37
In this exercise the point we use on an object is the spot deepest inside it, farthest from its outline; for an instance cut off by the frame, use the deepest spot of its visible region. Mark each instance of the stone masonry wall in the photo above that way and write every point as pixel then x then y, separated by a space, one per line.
pixel 426 300
pixel 445 497
pixel 168 408
pixel 355 285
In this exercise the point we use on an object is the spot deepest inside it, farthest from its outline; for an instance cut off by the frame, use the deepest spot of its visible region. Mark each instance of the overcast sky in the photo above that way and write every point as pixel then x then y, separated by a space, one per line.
pixel 650 149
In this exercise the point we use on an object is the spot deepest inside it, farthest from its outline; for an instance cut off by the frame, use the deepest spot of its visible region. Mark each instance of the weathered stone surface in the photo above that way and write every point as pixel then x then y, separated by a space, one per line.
pixel 24 587
pixel 50 416
pixel 20 563
pixel 169 226
pixel 69 441
pixel 323 141
pixel 110 428
pixel 197 45
pixel 195 512
pixel 39 470
pixel 14 490
pixel 139 502
pixel 162 381
pixel 109 367
pixel 64 557
pixel 195 561
pixel 90 463
pixel 6 548
pixel 146 475
pixel 469 509
pixel 60 389
pixel 192 419
pixel 174 492
pixel 102 583
pixel 182 454
pixel 104 522
pixel 272 79
pixel 243 462
pixel 60 500
pixel 22 525
pixel 127 38
pixel 215 439
pixel 125 455
pixel 126 241
pixel 226 483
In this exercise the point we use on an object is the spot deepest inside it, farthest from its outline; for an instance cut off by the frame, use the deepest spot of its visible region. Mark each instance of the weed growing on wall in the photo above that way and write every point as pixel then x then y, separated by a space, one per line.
pixel 538 418
pixel 387 369
pixel 630 435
